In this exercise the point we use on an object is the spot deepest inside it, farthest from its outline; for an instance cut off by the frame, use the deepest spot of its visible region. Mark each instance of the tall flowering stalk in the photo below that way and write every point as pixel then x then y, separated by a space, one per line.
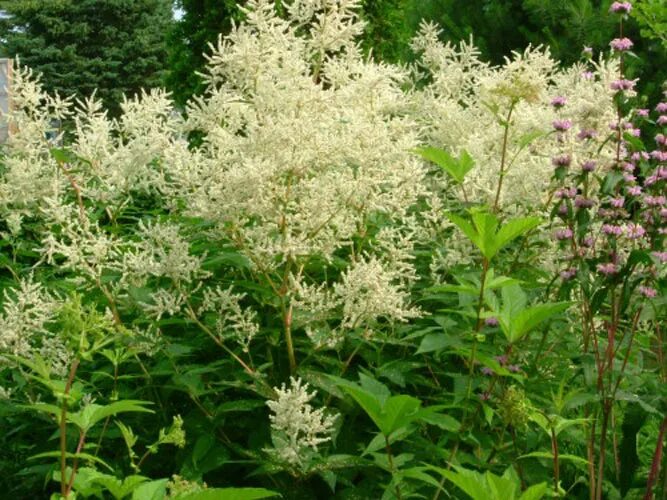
pixel 610 216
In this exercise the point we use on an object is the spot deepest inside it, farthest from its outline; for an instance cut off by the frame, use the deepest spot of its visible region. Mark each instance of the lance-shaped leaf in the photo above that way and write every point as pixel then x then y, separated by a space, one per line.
pixel 517 319
pixel 485 234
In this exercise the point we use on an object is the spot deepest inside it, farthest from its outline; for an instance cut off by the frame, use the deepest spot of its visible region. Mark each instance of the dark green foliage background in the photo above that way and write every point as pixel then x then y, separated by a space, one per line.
pixel 114 46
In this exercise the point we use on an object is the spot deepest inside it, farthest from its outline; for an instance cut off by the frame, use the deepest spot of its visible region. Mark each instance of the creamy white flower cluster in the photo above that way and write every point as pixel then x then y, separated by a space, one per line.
pixel 306 142
pixel 466 102
pixel 232 320
pixel 298 428
pixel 26 313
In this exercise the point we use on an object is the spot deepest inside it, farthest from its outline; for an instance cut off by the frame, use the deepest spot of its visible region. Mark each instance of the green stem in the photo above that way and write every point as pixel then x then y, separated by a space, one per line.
pixel 390 458
pixel 503 157
pixel 63 429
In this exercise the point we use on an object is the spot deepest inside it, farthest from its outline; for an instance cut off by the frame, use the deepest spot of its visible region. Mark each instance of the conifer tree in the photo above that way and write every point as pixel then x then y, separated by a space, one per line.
pixel 113 47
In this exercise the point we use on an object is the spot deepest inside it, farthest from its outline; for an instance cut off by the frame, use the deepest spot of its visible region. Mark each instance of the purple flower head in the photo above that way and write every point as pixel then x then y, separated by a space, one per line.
pixel 558 101
pixel 502 359
pixel 561 161
pixel 648 292
pixel 617 202
pixel 662 120
pixel 487 371
pixel 661 107
pixel 588 166
pixel 621 44
pixel 663 213
pixel 607 269
pixel 643 113
pixel 562 209
pixel 485 396
pixel 612 230
pixel 661 256
pixel 634 190
pixel 587 75
pixel 654 201
pixel 562 125
pixel 566 192
pixel 623 84
pixel 582 202
pixel 568 274
pixel 586 134
pixel 634 231
pixel 491 321
pixel 628 167
pixel 621 7
pixel 629 178
pixel 563 234
pixel 588 242
pixel 514 368
pixel 659 155
pixel 661 139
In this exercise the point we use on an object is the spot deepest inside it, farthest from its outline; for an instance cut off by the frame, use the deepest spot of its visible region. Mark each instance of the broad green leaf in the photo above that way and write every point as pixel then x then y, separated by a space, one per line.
pixel 229 494
pixel 367 401
pixel 398 412
pixel 152 490
pixel 456 168
pixel 120 489
pixel 445 422
pixel 93 413
pixel 470 482
pixel 512 229
pixel 535 492
pixel 467 229
pixel 501 487
pixel 419 474
pixel 529 318
pixel 485 233
pixel 436 342
pixel 374 387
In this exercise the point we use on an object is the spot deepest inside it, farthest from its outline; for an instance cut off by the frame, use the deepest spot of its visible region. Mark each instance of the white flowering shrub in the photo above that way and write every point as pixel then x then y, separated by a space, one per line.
pixel 318 215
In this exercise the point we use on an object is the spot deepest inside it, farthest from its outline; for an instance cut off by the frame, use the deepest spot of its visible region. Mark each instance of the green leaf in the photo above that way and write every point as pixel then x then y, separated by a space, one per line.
pixel 535 492
pixel 93 413
pixel 470 482
pixel 485 234
pixel 435 342
pixel 548 455
pixel 467 229
pixel 456 168
pixel 445 422
pixel 229 494
pixel 388 413
pixel 529 318
pixel 152 490
pixel 512 229
pixel 80 456
pixel 398 412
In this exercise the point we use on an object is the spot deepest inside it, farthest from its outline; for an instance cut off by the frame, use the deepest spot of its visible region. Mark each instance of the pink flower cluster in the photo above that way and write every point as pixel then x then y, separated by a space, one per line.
pixel 607 269
pixel 621 7
pixel 621 44
pixel 623 84
pixel 562 125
